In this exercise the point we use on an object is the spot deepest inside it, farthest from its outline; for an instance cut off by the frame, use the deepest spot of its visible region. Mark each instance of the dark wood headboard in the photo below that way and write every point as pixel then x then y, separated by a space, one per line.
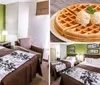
pixel 92 56
pixel 71 54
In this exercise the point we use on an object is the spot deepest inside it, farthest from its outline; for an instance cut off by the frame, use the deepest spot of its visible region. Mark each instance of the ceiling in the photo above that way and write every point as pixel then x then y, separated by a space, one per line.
pixel 13 1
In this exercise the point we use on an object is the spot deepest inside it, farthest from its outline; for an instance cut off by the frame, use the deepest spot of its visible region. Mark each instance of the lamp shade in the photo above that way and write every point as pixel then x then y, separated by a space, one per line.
pixel 4 32
pixel 80 57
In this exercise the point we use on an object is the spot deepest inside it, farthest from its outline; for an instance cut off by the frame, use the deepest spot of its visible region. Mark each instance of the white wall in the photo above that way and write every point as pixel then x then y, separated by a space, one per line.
pixel 17 19
pixel 63 50
pixel 12 21
pixel 38 26
pixel 23 19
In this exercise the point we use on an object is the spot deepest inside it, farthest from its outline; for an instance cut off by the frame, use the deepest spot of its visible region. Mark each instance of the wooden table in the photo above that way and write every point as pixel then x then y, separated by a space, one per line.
pixel 56 5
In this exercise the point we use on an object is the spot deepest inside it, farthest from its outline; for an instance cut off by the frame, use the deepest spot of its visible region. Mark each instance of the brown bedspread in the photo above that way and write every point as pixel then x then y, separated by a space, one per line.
pixel 24 74
pixel 67 80
pixel 5 51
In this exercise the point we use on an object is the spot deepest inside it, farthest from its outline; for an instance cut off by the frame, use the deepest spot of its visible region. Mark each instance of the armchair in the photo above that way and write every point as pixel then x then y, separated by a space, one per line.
pixel 32 49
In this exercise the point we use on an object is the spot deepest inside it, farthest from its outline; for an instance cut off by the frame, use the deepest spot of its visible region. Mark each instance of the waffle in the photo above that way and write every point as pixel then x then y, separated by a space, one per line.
pixel 65 20
pixel 66 25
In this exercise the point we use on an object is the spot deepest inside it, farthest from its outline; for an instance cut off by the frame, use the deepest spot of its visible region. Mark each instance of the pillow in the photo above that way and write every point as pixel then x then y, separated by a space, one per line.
pixel 96 61
pixel 25 42
pixel 93 61
pixel 73 59
pixel 88 60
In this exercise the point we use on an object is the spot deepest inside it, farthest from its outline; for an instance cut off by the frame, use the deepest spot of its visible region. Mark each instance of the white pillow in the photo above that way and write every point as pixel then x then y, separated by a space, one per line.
pixel 93 61
pixel 88 60
pixel 73 59
pixel 96 61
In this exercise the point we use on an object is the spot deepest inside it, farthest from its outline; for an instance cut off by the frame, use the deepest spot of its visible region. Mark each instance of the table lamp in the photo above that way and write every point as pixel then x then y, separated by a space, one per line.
pixel 80 57
pixel 5 33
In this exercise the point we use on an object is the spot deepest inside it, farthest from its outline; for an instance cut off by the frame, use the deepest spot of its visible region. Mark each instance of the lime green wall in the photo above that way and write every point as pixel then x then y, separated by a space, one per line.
pixel 2 21
pixel 79 49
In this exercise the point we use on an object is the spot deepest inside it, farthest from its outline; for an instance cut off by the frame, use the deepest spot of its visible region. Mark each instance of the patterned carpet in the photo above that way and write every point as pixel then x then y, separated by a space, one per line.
pixel 42 80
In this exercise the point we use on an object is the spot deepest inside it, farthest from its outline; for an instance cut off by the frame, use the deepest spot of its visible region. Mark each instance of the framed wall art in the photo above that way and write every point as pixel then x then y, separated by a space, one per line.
pixel 93 51
pixel 42 8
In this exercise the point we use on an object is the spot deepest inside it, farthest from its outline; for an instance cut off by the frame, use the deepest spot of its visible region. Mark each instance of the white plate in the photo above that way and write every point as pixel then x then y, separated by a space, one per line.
pixel 53 30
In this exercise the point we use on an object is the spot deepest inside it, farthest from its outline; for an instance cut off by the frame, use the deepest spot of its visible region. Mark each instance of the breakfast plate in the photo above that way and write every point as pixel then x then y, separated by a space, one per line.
pixel 79 22
pixel 55 33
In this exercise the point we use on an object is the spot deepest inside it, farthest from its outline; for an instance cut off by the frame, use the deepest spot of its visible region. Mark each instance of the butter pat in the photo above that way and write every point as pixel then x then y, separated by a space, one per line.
pixel 83 18
pixel 95 18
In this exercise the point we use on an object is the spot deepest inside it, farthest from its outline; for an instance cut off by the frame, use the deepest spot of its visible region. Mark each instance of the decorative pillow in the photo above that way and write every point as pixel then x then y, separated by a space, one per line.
pixel 25 42
pixel 88 60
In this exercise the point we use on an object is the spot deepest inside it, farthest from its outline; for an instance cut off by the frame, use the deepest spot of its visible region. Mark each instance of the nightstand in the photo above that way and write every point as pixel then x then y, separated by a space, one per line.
pixel 6 44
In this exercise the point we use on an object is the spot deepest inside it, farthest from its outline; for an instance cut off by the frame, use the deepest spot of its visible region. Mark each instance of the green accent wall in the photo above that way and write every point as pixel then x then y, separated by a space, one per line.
pixel 79 49
pixel 2 22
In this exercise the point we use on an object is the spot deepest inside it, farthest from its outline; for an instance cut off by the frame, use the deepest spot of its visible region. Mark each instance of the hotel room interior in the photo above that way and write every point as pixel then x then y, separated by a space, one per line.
pixel 24 42
pixel 75 63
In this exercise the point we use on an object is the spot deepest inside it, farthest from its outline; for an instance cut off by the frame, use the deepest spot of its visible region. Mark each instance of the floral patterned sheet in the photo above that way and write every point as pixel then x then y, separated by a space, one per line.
pixel 84 76
pixel 11 62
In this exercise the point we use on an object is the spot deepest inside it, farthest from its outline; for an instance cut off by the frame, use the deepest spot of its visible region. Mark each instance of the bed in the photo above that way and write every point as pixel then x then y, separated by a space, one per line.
pixel 61 65
pixel 70 60
pixel 22 74
pixel 84 73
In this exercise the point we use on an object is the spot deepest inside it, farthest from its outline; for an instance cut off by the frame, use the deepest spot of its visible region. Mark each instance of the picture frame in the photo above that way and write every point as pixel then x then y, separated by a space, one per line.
pixel 42 8
pixel 93 51
pixel 72 49
pixel 72 52
pixel 93 45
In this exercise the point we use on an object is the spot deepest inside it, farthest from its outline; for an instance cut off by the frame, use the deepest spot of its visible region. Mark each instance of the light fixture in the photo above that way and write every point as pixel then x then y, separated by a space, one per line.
pixel 80 57
pixel 5 33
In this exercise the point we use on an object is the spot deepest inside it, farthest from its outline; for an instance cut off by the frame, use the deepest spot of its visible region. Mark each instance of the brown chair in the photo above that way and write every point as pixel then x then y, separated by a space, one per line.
pixel 32 48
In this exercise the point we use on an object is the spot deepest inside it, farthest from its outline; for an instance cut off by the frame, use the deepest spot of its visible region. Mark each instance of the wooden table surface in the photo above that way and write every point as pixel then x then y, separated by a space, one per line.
pixel 56 5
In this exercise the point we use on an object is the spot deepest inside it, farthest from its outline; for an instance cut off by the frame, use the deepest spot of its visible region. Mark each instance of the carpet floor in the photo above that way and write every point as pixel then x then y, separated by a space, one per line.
pixel 55 82
pixel 42 80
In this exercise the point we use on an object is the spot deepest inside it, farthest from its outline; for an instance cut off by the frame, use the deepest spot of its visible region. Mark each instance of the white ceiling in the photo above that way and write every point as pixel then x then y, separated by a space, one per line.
pixel 13 1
